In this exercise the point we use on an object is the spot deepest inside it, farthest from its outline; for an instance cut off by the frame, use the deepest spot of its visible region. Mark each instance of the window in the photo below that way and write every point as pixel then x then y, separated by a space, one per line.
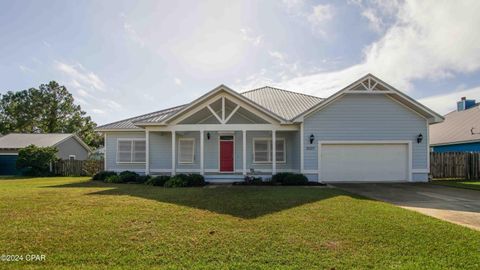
pixel 131 151
pixel 262 150
pixel 186 150
pixel 72 157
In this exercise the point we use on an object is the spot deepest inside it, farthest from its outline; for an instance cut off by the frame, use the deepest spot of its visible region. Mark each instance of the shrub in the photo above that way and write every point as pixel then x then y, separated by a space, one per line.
pixel 196 180
pixel 128 176
pixel 101 176
pixel 176 181
pixel 35 161
pixel 91 167
pixel 113 179
pixel 142 179
pixel 295 179
pixel 280 177
pixel 252 180
pixel 158 180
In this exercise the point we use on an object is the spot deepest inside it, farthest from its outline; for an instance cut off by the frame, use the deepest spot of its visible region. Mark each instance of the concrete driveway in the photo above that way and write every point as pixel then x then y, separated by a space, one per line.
pixel 456 205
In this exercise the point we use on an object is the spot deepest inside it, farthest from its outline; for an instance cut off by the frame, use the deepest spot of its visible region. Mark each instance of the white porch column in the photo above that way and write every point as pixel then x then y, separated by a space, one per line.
pixel 173 152
pixel 302 146
pixel 105 152
pixel 202 167
pixel 274 152
pixel 147 152
pixel 244 151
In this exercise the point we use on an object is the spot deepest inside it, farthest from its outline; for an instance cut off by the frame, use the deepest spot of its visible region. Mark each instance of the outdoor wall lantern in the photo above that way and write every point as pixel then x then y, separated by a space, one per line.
pixel 208 135
pixel 419 138
pixel 312 138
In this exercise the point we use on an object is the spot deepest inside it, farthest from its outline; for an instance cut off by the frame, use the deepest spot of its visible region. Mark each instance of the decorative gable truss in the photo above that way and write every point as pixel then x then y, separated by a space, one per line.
pixel 369 85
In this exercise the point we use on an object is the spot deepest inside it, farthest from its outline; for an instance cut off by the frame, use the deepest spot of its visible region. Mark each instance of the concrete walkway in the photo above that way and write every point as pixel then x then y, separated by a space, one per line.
pixel 456 205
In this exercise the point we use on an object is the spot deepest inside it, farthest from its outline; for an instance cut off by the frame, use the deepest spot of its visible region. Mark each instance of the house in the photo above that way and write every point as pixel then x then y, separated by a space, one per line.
pixel 69 146
pixel 367 131
pixel 460 132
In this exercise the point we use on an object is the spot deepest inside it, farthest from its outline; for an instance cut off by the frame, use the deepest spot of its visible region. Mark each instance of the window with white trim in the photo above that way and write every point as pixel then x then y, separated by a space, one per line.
pixel 262 150
pixel 186 150
pixel 131 151
pixel 72 157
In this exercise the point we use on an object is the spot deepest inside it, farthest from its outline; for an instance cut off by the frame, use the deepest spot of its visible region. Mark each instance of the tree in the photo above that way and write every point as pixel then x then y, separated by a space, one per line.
pixel 35 161
pixel 49 109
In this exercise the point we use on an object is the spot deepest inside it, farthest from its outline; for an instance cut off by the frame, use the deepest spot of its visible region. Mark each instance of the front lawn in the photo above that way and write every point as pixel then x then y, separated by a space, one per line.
pixel 459 183
pixel 80 223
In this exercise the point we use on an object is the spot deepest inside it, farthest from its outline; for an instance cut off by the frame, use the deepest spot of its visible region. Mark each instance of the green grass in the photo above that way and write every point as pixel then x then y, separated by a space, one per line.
pixel 468 184
pixel 78 223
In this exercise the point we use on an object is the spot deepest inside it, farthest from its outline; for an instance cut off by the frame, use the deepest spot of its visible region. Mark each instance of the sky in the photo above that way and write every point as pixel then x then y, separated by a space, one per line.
pixel 125 58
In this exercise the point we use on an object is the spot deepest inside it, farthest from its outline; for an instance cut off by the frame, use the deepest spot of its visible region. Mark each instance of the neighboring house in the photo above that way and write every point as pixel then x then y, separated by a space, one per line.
pixel 69 146
pixel 368 131
pixel 460 132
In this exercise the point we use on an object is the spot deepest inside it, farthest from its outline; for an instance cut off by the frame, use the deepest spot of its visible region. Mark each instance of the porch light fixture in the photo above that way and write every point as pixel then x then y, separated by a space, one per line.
pixel 419 138
pixel 312 138
pixel 208 135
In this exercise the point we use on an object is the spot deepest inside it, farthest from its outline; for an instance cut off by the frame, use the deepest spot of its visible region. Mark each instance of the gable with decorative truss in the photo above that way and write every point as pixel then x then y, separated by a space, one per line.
pixel 369 84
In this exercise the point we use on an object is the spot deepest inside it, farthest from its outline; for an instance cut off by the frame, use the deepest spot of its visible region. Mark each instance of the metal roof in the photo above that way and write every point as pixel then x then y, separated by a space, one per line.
pixel 284 103
pixel 129 123
pixel 457 127
pixel 21 140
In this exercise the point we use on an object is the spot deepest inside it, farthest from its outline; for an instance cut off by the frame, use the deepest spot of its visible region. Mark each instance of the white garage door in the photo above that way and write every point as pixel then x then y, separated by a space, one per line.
pixel 364 162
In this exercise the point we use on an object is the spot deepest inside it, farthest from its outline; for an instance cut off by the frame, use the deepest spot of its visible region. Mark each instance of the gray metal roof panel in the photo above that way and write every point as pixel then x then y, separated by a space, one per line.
pixel 21 140
pixel 457 127
pixel 286 104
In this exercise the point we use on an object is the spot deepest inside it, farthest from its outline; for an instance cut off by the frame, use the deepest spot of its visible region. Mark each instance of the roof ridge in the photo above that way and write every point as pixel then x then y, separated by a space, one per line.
pixel 280 89
pixel 142 115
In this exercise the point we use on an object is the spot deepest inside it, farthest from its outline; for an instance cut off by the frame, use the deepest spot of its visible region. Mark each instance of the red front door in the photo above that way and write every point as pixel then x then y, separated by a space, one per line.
pixel 226 156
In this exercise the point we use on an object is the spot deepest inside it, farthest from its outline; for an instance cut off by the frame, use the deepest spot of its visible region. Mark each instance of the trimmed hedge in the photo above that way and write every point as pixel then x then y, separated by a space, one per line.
pixel 128 176
pixel 101 176
pixel 158 180
pixel 114 179
pixel 280 177
pixel 295 179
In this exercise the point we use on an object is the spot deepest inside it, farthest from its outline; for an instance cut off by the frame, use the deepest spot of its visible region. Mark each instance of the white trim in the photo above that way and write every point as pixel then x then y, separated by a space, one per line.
pixel 105 152
pixel 244 151
pixel 74 157
pixel 161 170
pixel 132 152
pixel 174 161
pixel 428 146
pixel 214 114
pixel 408 143
pixel 274 151
pixel 232 113
pixel 269 148
pixel 310 172
pixel 405 106
pixel 147 152
pixel 302 142
pixel 202 165
pixel 420 171
pixel 8 154
pixel 220 151
pixel 180 153
pixel 223 110
pixel 226 127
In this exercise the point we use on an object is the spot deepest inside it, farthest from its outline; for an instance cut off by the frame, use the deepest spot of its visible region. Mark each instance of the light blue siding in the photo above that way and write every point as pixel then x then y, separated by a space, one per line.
pixel 111 152
pixel 365 117
pixel 160 150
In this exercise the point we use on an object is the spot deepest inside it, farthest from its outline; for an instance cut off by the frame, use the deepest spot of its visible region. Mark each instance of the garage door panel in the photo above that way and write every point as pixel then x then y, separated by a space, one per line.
pixel 364 162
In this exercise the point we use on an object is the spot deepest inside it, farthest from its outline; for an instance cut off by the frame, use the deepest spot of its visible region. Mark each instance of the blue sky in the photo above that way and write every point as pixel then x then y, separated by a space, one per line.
pixel 124 58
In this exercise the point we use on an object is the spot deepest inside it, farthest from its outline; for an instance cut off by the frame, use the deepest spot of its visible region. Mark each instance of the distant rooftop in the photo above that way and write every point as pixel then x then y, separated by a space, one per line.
pixel 21 140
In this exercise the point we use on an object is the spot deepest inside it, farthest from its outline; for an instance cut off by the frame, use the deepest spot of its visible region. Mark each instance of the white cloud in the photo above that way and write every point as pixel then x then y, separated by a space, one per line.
pixel 80 77
pixel 252 39
pixel 448 102
pixel 133 35
pixel 98 111
pixel 277 55
pixel 429 40
pixel 25 68
pixel 46 44
pixel 319 16
pixel 177 81
pixel 376 22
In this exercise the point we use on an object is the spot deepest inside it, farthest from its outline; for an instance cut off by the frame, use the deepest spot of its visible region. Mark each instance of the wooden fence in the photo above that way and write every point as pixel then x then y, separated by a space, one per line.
pixel 77 167
pixel 455 165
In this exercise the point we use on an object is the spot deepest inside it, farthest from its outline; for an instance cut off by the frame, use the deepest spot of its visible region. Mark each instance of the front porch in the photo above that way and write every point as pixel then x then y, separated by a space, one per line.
pixel 222 155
